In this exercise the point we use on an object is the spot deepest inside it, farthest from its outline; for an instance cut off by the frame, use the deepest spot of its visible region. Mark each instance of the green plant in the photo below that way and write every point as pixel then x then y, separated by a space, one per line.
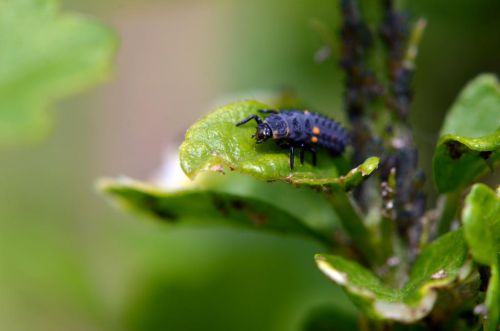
pixel 399 262
pixel 45 55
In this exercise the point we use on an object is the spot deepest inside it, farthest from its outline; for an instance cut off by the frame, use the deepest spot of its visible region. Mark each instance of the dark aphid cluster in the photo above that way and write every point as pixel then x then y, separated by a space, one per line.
pixel 300 129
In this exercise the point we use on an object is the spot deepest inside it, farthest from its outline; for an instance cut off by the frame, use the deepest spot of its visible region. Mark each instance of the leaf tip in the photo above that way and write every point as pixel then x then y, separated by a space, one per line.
pixel 369 165
pixel 332 273
pixel 103 185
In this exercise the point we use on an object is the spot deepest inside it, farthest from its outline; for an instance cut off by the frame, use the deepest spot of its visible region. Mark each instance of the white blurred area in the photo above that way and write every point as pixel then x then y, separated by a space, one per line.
pixel 169 174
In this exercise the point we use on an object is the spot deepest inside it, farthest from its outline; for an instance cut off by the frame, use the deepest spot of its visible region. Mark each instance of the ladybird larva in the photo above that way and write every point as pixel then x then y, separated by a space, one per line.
pixel 300 129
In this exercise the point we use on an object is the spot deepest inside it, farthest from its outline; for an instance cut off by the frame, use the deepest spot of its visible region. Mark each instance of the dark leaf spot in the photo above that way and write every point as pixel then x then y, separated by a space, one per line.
pixel 258 219
pixel 455 149
pixel 152 204
pixel 220 205
pixel 485 154
pixel 238 204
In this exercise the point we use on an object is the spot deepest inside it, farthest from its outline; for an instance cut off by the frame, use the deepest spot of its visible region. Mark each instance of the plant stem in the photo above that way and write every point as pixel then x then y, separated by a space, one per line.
pixel 449 213
pixel 413 44
pixel 354 226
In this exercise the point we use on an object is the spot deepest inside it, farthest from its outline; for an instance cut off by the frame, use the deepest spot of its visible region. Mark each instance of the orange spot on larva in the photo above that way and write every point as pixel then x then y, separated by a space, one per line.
pixel 316 131
pixel 314 139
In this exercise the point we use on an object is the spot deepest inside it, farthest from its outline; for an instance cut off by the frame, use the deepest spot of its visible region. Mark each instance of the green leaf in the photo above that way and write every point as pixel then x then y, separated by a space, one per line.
pixel 216 143
pixel 321 212
pixel 205 207
pixel 312 207
pixel 440 264
pixel 481 219
pixel 458 161
pixel 470 141
pixel 45 56
pixel 475 113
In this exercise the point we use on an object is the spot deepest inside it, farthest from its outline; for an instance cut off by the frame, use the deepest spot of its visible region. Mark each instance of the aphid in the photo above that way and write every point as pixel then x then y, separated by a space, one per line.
pixel 300 129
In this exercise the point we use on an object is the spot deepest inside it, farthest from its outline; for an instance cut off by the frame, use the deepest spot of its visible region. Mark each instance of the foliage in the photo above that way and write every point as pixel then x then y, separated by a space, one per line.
pixel 211 208
pixel 470 142
pixel 45 55
pixel 396 259
pixel 356 218
pixel 481 218
pixel 439 265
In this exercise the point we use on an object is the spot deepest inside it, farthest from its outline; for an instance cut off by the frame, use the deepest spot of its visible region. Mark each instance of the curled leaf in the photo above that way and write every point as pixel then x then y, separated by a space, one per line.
pixel 470 142
pixel 311 207
pixel 206 208
pixel 458 161
pixel 440 264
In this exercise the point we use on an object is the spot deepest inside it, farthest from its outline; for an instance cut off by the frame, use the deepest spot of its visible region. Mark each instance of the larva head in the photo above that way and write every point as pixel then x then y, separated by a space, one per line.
pixel 264 132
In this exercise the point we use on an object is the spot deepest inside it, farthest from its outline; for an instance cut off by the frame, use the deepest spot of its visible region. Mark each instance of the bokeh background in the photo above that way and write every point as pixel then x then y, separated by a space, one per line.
pixel 68 261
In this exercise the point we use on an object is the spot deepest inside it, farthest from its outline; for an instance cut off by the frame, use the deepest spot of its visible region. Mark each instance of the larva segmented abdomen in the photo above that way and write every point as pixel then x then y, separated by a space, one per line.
pixel 303 128
pixel 332 136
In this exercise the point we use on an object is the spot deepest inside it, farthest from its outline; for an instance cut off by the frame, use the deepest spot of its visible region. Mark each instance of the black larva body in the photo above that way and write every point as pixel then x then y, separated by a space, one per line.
pixel 300 129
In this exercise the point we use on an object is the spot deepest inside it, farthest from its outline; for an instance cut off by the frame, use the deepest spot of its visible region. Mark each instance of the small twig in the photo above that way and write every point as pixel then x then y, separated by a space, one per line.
pixel 414 43
pixel 449 212
pixel 354 226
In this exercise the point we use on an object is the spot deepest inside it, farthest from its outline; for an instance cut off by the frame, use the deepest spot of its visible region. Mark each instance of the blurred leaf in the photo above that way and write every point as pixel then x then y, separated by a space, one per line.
pixel 324 213
pixel 440 264
pixel 475 113
pixel 458 160
pixel 206 208
pixel 481 218
pixel 310 206
pixel 45 56
pixel 215 143
pixel 471 135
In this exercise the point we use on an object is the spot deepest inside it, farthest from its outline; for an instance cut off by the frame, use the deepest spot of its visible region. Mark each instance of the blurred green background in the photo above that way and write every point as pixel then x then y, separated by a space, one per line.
pixel 70 262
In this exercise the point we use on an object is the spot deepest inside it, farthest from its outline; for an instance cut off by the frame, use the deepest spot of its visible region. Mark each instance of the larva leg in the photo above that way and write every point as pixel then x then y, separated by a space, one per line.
pixel 314 159
pixel 292 157
pixel 302 151
pixel 249 118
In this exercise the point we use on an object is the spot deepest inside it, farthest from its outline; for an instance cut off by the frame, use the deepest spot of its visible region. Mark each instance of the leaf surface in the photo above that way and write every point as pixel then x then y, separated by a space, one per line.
pixel 458 161
pixel 469 145
pixel 440 264
pixel 476 112
pixel 215 143
pixel 481 219
pixel 206 208
pixel 312 207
